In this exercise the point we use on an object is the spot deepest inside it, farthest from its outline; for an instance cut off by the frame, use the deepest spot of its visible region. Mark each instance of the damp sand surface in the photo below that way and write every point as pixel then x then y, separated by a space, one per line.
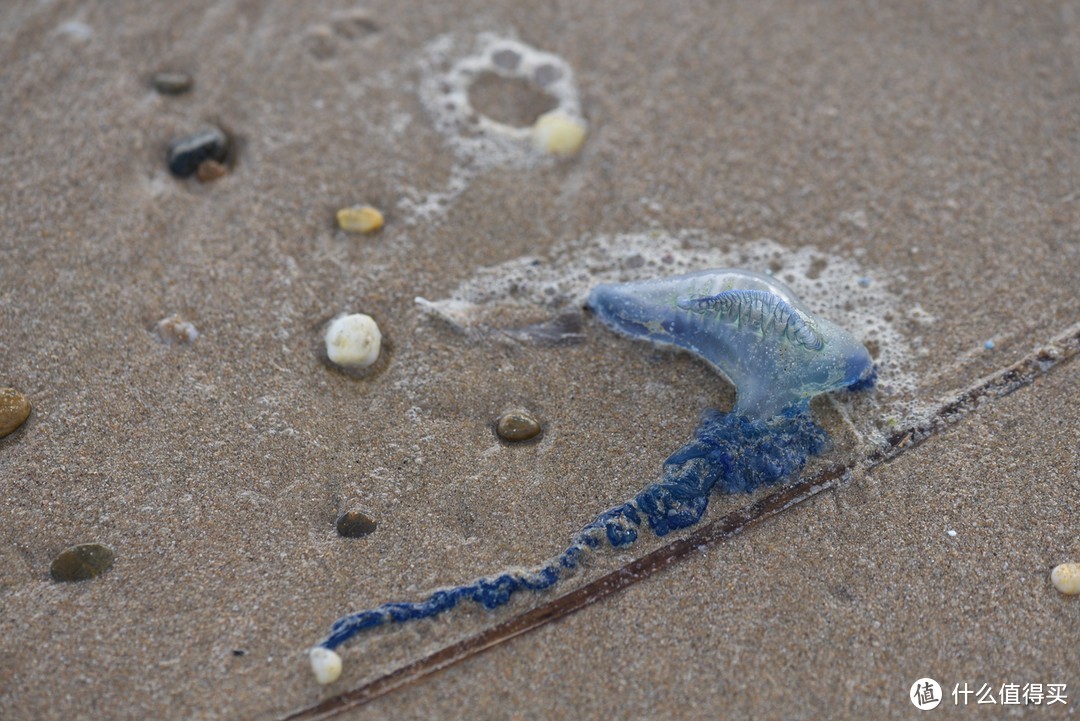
pixel 918 157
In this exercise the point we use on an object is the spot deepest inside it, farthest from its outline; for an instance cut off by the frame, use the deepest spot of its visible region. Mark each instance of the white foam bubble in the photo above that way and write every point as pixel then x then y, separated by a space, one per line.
pixel 531 289
pixel 448 68
pixel 471 134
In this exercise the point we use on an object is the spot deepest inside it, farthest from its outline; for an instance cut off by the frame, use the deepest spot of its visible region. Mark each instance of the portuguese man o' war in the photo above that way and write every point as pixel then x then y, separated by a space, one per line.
pixel 757 333
pixel 749 326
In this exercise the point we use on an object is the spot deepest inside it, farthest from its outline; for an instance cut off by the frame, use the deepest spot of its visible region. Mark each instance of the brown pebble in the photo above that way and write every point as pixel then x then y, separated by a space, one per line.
pixel 172 83
pixel 354 524
pixel 82 562
pixel 210 170
pixel 14 409
pixel 517 425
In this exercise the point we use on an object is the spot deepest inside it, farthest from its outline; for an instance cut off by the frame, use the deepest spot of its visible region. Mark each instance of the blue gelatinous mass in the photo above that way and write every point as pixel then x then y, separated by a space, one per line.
pixel 732 453
pixel 778 355
pixel 749 326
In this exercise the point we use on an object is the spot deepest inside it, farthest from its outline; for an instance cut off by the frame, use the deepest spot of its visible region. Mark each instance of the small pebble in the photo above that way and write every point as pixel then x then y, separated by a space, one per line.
pixel 82 562
pixel 172 83
pixel 951 532
pixel 325 664
pixel 354 524
pixel 517 425
pixel 14 410
pixel 360 219
pixel 210 170
pixel 989 345
pixel 557 133
pixel 1066 578
pixel 185 154
pixel 353 341
pixel 864 282
pixel 174 329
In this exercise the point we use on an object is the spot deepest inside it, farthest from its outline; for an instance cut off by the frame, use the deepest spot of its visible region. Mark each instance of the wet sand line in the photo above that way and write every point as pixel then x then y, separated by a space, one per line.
pixel 1060 350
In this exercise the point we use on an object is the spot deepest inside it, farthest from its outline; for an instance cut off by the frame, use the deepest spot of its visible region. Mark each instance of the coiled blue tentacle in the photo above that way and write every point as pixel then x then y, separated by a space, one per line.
pixel 728 451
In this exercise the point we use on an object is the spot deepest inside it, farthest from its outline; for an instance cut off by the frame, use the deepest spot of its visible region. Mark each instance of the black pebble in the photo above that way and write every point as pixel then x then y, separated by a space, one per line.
pixel 354 524
pixel 185 154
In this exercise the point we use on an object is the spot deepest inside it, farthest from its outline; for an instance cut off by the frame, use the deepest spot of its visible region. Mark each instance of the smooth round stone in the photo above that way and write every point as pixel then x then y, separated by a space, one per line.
pixel 82 562
pixel 14 410
pixel 1066 578
pixel 517 425
pixel 353 341
pixel 186 153
pixel 169 83
pixel 354 524
pixel 558 133
pixel 325 664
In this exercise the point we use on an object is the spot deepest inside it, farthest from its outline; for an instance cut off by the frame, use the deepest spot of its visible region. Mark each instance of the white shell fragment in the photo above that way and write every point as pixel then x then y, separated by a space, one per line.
pixel 175 329
pixel 353 341
pixel 1066 578
pixel 325 664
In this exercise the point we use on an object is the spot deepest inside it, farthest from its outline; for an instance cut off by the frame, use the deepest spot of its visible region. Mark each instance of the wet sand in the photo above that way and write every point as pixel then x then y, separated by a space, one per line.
pixel 932 147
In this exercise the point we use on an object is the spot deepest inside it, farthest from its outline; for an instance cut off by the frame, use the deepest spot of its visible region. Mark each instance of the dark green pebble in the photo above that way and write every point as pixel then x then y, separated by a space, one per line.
pixel 172 83
pixel 82 562
pixel 185 154
pixel 354 524
pixel 517 425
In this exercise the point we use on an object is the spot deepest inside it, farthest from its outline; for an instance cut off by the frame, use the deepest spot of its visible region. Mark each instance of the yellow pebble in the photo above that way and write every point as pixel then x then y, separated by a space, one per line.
pixel 361 219
pixel 558 133
pixel 1066 578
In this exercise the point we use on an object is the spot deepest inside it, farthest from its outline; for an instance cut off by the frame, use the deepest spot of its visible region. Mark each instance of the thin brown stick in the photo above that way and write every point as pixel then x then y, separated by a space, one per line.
pixel 1061 349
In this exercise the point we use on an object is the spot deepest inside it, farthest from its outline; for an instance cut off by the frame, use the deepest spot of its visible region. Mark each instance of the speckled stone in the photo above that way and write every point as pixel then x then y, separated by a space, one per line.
pixel 170 83
pixel 14 410
pixel 186 153
pixel 82 562
pixel 354 524
pixel 1066 578
pixel 517 425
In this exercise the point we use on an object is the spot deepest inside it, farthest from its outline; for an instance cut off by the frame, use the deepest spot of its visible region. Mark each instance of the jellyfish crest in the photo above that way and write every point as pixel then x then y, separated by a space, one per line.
pixel 750 327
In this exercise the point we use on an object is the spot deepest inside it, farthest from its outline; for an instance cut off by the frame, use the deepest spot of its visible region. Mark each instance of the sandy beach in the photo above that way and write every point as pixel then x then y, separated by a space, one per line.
pixel 911 170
